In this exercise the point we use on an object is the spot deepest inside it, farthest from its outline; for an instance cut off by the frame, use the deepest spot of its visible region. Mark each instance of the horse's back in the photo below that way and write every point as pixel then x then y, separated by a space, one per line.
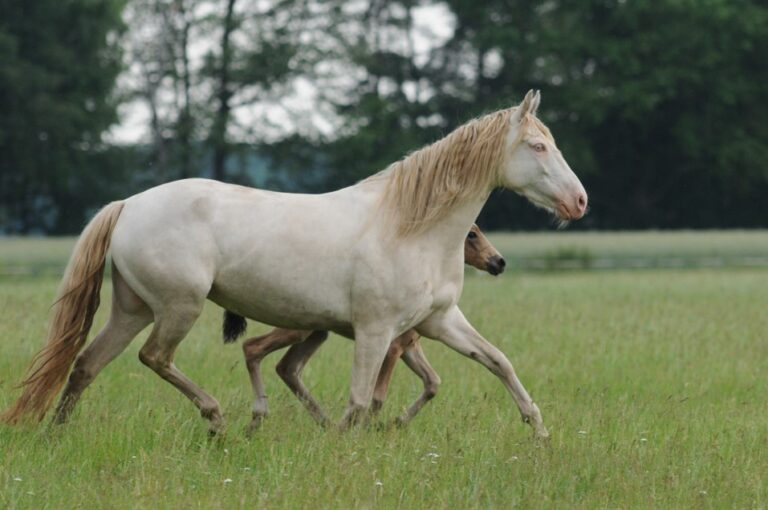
pixel 261 253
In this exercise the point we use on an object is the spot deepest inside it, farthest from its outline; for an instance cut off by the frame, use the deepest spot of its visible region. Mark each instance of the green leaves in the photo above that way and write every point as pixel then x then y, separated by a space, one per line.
pixel 58 64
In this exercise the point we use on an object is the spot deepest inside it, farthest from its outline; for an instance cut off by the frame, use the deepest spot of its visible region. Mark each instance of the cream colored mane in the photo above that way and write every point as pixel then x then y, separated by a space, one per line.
pixel 464 165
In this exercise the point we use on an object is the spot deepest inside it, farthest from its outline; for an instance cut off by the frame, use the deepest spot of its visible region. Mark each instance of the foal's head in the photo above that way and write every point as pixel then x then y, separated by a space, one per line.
pixel 480 253
pixel 535 168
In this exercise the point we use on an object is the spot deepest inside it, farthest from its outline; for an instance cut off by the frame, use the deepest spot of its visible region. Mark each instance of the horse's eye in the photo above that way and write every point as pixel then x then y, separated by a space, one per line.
pixel 471 235
pixel 539 147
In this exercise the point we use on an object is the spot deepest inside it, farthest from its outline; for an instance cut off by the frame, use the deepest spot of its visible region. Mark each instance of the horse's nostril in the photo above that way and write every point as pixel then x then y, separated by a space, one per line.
pixel 495 265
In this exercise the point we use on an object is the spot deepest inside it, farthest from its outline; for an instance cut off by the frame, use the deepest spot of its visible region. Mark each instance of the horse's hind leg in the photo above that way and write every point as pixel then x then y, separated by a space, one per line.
pixel 128 317
pixel 171 326
pixel 255 350
pixel 289 369
pixel 417 361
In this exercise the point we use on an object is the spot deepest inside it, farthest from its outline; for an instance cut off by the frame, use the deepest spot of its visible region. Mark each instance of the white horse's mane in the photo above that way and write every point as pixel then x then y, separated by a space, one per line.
pixel 463 165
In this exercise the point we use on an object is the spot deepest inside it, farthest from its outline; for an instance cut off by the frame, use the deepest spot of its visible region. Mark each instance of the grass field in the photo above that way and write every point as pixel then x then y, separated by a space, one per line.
pixel 652 382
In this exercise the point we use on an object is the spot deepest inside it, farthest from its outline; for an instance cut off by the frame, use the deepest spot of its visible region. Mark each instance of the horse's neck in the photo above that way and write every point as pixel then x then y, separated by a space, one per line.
pixel 451 231
pixel 448 233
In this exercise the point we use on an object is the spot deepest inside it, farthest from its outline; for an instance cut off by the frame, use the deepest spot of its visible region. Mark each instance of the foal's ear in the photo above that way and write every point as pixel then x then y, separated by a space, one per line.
pixel 529 105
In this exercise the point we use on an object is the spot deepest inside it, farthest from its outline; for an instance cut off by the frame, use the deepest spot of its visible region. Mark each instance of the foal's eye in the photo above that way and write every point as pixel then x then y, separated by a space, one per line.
pixel 539 147
pixel 471 235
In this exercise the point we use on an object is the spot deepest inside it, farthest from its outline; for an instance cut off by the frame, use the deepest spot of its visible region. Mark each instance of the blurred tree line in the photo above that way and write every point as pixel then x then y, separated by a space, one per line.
pixel 659 106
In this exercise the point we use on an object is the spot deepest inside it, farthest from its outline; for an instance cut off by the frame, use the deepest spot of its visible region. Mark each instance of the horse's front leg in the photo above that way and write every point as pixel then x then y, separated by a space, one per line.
pixel 371 345
pixel 453 329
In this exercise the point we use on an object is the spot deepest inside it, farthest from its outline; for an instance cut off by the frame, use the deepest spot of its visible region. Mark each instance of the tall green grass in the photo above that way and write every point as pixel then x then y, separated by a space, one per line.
pixel 652 383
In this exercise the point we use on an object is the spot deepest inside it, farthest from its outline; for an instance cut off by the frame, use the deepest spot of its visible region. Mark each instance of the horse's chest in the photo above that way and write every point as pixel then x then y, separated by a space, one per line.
pixel 419 301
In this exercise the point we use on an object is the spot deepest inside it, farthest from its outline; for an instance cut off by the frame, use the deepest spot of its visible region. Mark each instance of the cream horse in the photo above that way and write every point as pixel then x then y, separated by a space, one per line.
pixel 478 252
pixel 369 261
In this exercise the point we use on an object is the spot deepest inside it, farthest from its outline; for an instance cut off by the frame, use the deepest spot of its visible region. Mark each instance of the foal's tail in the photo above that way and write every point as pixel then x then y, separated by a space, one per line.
pixel 233 327
pixel 73 313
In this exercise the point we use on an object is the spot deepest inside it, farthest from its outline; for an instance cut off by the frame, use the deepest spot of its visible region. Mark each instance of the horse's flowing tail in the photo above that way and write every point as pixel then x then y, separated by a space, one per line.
pixel 71 320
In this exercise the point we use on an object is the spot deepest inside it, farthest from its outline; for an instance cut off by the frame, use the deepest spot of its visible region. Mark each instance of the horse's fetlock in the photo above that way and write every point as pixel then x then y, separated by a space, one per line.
pixel 210 412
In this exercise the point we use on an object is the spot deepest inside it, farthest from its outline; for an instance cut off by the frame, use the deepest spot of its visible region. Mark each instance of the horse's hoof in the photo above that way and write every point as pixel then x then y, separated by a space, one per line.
pixel 541 435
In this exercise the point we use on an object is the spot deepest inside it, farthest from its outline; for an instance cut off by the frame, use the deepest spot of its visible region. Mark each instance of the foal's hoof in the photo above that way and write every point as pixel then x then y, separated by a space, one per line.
pixel 384 426
pixel 215 429
pixel 402 421
pixel 215 420
pixel 255 425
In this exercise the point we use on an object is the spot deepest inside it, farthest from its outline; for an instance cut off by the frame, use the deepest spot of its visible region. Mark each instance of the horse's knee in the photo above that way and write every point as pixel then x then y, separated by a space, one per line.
pixel 286 371
pixel 80 375
pixel 430 388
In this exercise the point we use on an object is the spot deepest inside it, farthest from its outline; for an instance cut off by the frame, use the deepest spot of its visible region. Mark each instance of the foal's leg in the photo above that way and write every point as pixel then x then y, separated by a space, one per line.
pixel 398 346
pixel 417 361
pixel 255 350
pixel 171 326
pixel 289 369
pixel 455 331
pixel 396 349
pixel 406 347
pixel 128 317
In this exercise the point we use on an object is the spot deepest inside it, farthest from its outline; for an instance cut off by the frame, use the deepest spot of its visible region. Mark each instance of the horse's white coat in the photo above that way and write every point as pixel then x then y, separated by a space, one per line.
pixel 321 262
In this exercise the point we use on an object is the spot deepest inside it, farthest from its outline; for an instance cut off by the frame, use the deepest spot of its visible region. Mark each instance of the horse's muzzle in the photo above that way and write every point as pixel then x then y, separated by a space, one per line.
pixel 496 265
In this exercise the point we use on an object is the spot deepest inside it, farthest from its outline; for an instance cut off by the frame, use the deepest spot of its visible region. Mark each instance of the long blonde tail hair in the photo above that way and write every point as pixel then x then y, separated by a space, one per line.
pixel 71 320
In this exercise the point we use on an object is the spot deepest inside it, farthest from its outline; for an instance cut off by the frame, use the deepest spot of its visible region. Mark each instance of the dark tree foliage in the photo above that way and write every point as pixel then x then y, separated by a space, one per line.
pixel 659 106
pixel 58 65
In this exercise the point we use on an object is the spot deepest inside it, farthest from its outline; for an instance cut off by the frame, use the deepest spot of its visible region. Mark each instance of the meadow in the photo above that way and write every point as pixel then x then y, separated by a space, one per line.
pixel 650 376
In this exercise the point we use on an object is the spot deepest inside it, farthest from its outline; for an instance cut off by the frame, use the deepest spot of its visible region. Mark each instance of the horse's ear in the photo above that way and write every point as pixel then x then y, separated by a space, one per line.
pixel 526 106
pixel 535 103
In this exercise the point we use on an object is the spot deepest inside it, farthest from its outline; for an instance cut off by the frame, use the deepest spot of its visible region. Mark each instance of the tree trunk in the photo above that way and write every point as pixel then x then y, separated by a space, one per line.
pixel 185 122
pixel 218 137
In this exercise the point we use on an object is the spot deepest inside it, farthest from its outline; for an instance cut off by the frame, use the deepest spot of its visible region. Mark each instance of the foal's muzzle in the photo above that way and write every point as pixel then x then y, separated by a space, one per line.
pixel 496 265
